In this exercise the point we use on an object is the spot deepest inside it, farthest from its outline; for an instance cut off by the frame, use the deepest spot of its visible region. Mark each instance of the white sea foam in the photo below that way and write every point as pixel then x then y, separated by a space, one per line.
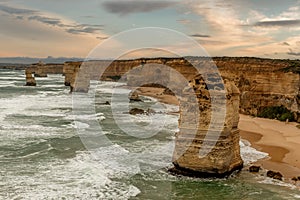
pixel 249 154
pixel 80 177
pixel 12 78
pixel 80 125
pixel 271 181
pixel 86 117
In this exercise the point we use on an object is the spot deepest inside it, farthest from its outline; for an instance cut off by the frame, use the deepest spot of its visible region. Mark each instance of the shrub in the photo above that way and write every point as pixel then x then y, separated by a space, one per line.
pixel 276 112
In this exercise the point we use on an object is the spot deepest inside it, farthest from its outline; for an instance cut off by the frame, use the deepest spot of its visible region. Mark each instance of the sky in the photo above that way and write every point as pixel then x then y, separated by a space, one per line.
pixel 73 28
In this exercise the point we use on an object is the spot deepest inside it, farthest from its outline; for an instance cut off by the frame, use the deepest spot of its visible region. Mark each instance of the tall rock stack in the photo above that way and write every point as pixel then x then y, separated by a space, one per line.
pixel 76 77
pixel 30 80
pixel 70 70
pixel 222 141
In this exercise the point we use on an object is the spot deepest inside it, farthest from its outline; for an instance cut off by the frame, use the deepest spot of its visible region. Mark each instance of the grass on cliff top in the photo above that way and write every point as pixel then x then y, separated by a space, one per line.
pixel 294 66
pixel 276 112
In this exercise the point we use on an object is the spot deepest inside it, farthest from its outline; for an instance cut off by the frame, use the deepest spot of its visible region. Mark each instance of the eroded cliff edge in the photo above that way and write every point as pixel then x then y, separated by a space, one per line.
pixel 262 83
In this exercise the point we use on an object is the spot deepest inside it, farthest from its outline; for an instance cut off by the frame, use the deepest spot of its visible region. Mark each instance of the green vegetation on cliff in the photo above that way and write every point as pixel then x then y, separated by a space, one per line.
pixel 276 112
pixel 294 67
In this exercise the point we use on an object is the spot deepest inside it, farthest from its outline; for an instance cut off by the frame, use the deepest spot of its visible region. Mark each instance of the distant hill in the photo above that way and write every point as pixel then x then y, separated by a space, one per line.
pixel 28 60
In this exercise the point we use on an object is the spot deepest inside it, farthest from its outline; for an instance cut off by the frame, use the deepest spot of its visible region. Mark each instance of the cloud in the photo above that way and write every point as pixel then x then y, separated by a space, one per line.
pixel 35 33
pixel 46 20
pixel 126 7
pixel 34 15
pixel 16 11
pixel 200 36
pixel 184 21
pixel 285 44
pixel 102 38
pixel 89 16
pixel 84 29
pixel 70 28
pixel 282 23
pixel 292 53
pixel 35 39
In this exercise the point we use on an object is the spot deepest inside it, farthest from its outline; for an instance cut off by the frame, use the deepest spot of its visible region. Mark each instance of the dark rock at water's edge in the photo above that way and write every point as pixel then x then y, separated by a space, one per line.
pixel 30 84
pixel 133 96
pixel 274 175
pixel 105 103
pixel 254 168
pixel 136 111
pixel 179 171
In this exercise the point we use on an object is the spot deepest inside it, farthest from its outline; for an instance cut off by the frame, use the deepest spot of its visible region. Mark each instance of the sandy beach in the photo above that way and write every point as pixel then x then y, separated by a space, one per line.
pixel 279 139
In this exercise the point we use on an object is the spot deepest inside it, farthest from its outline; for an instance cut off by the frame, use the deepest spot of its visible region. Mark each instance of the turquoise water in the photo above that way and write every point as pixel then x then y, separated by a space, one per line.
pixel 42 156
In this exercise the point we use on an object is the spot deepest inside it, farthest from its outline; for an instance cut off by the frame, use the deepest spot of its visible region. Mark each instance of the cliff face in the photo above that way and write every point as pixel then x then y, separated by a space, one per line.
pixel 262 83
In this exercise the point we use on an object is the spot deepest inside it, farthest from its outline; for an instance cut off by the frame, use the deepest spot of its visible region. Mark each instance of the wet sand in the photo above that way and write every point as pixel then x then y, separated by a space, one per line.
pixel 279 139
pixel 158 94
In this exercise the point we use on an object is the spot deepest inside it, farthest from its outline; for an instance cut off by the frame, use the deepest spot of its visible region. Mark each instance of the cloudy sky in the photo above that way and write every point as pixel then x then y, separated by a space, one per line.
pixel 72 28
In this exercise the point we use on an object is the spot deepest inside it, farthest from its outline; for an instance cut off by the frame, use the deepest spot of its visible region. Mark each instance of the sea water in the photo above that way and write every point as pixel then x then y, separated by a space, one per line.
pixel 43 154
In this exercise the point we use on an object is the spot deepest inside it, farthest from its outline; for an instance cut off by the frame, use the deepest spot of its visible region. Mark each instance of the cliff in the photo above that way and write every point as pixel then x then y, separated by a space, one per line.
pixel 262 83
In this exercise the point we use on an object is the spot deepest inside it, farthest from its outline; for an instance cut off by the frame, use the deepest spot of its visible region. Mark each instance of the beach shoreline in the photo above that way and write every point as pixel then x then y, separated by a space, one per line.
pixel 280 140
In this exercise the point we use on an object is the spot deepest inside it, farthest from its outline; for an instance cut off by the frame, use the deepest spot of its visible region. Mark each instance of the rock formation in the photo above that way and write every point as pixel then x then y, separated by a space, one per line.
pixel 41 70
pixel 262 82
pixel 224 156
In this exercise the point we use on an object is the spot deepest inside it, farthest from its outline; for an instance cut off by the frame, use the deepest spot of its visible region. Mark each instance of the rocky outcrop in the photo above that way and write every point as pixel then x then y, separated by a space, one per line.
pixel 134 96
pixel 254 169
pixel 29 73
pixel 136 111
pixel 70 70
pixel 274 175
pixel 41 70
pixel 224 156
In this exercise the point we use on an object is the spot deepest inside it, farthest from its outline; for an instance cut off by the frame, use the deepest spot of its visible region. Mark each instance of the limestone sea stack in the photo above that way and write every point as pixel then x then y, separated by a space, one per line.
pixel 224 157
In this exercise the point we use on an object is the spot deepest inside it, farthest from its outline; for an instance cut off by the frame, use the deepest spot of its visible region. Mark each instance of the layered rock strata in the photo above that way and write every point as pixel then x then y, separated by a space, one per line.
pixel 262 82
pixel 215 134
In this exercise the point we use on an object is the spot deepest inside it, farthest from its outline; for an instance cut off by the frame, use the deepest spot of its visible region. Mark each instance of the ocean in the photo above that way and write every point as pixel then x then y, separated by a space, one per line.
pixel 44 155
